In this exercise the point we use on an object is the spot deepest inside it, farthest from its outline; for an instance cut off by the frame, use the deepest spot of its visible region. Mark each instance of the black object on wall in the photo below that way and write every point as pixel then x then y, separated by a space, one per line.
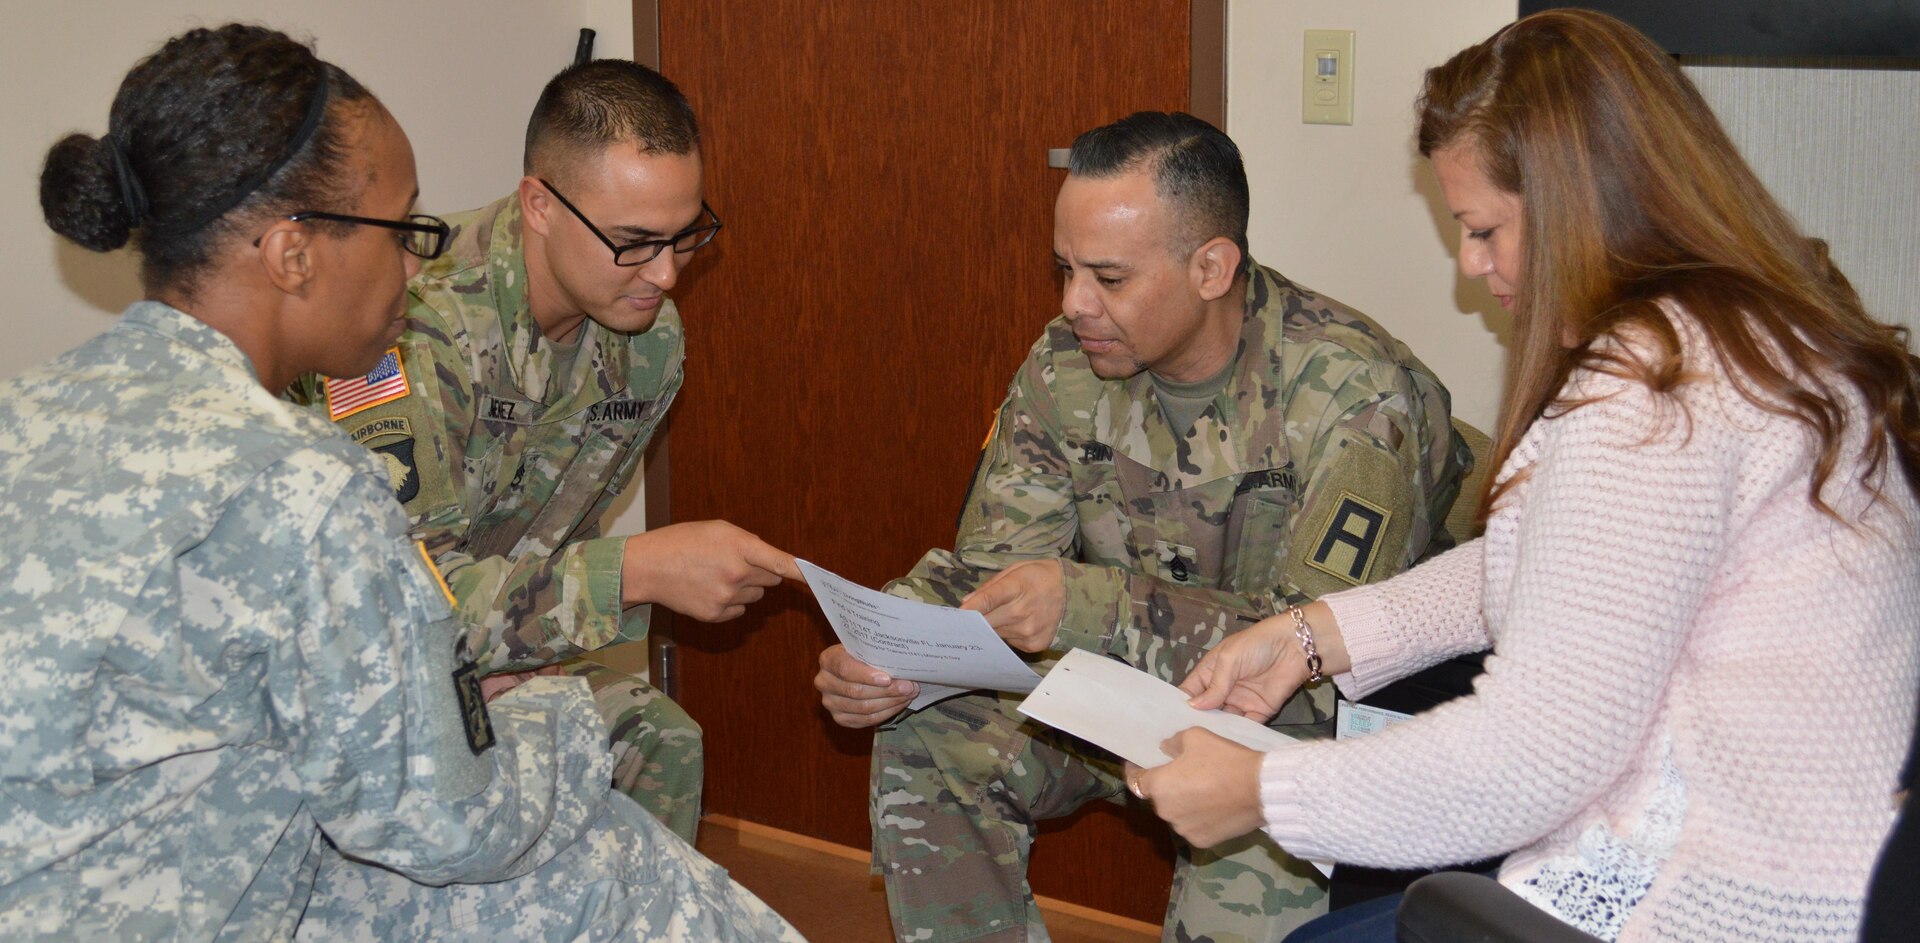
pixel 1865 28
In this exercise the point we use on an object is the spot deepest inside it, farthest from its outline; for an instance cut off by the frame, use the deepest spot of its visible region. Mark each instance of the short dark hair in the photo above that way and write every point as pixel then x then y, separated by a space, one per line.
pixel 1195 168
pixel 607 101
pixel 203 134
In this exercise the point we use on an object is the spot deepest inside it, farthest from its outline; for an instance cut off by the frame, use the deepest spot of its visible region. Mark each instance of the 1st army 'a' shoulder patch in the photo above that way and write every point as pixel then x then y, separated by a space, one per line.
pixel 1347 546
pixel 384 384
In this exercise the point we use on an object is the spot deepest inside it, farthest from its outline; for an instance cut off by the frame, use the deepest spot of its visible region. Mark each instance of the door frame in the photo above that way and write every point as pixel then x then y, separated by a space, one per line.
pixel 1206 100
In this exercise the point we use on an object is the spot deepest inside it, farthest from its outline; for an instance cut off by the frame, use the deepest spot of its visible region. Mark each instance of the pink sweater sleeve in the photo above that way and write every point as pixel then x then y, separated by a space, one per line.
pixel 1621 527
pixel 1421 617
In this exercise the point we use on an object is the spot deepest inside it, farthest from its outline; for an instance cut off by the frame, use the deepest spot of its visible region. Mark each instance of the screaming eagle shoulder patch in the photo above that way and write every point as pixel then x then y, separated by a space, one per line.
pixel 386 382
pixel 391 438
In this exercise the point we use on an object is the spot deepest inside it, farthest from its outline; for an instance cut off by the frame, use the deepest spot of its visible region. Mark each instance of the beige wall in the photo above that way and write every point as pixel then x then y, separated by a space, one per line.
pixel 1351 211
pixel 1838 147
pixel 460 75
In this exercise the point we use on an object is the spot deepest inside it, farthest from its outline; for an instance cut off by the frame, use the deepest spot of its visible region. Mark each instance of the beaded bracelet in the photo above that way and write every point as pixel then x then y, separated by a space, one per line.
pixel 1305 635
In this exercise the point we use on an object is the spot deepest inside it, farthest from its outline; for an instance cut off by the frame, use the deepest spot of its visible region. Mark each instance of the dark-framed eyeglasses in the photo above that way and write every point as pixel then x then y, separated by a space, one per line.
pixel 646 250
pixel 423 235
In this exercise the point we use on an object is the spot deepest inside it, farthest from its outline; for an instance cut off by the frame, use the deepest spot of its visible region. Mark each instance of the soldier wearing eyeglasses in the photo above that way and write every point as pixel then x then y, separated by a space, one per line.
pixel 541 353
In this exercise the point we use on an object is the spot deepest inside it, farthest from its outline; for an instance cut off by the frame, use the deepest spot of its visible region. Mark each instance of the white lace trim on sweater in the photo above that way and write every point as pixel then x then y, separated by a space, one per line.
pixel 1596 885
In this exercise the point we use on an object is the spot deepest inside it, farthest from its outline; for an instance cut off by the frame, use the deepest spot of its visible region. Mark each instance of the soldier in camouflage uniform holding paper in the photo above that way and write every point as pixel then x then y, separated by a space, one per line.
pixel 239 706
pixel 541 353
pixel 1195 440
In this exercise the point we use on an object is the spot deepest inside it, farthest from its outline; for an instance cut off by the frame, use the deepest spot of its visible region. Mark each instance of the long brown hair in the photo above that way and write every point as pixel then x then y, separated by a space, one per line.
pixel 1633 194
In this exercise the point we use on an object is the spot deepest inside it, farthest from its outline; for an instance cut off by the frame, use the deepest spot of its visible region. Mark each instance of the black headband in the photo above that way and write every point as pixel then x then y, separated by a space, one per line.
pixel 316 112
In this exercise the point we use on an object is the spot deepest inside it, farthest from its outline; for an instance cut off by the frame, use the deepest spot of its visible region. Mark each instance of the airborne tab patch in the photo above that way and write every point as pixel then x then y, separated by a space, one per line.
pixel 381 428
pixel 1345 548
pixel 384 384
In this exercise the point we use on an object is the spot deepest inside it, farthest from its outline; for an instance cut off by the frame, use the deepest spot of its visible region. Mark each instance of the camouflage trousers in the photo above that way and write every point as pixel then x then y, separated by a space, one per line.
pixel 627 878
pixel 659 758
pixel 958 789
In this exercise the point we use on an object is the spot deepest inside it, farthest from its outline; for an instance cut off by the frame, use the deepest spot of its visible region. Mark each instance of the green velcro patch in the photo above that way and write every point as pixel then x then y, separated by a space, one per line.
pixel 1355 527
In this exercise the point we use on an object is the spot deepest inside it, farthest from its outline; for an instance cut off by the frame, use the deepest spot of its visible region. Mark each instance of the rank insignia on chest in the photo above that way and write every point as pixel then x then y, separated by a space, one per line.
pixel 1345 547
pixel 384 384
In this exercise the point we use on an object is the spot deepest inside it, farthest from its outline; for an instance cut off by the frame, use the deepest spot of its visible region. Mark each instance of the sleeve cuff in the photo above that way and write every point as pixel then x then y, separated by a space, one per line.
pixel 1286 818
pixel 1375 659
pixel 1096 603
pixel 595 576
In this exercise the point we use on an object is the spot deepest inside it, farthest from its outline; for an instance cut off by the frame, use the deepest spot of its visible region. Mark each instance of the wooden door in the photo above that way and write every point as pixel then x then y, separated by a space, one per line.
pixel 881 168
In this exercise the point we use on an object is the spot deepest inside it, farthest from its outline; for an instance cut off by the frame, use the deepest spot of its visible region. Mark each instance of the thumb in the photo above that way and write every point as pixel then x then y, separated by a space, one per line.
pixel 1175 745
pixel 989 596
pixel 1209 686
pixel 770 558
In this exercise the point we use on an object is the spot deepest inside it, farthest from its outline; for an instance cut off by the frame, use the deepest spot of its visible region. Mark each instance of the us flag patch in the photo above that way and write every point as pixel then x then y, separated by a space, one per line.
pixel 386 383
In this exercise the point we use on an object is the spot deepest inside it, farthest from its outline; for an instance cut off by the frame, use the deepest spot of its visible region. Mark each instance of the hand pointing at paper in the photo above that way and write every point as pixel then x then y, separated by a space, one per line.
pixel 1024 603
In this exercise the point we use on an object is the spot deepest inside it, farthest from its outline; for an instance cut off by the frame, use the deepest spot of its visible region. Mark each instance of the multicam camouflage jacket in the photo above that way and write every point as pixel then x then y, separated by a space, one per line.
pixel 1328 460
pixel 222 642
pixel 507 450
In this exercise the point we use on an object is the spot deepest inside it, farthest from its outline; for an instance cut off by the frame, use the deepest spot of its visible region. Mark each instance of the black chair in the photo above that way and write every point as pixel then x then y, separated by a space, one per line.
pixel 1892 909
pixel 1462 907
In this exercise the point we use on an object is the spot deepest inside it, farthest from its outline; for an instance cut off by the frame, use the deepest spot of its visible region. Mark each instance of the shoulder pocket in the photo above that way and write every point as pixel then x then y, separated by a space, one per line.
pixel 444 709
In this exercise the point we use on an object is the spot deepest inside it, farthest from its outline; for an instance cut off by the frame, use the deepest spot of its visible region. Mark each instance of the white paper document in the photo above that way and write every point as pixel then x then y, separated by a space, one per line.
pixel 1130 713
pixel 946 650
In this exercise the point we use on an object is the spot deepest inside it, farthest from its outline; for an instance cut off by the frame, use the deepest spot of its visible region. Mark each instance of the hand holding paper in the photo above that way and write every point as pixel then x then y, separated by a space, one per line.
pixel 947 650
pixel 1023 603
pixel 1132 714
pixel 1128 711
pixel 1209 792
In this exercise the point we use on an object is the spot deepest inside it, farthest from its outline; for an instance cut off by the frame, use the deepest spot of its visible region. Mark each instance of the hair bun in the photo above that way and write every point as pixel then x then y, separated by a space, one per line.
pixel 80 195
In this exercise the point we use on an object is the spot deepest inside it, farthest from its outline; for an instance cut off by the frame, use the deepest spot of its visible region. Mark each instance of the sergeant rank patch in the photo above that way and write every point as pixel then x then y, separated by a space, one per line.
pixel 1345 548
pixel 384 384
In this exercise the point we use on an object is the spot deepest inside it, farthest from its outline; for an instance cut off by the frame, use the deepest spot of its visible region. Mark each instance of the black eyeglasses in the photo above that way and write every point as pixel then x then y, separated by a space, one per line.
pixel 426 236
pixel 646 250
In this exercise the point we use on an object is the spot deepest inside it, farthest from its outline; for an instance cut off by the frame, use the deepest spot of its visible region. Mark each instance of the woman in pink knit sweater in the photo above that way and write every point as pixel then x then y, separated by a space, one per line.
pixel 1704 512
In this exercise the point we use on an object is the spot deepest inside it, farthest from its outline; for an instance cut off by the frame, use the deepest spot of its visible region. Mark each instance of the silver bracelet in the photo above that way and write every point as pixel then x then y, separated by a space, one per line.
pixel 1305 635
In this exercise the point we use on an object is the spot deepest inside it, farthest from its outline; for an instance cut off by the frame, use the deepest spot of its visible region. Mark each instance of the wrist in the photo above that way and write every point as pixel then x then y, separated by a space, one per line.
pixel 1310 634
pixel 636 571
pixel 1329 643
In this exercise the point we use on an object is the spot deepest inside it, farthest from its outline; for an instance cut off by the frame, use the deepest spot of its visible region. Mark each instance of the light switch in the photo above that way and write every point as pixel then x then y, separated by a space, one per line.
pixel 1326 77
